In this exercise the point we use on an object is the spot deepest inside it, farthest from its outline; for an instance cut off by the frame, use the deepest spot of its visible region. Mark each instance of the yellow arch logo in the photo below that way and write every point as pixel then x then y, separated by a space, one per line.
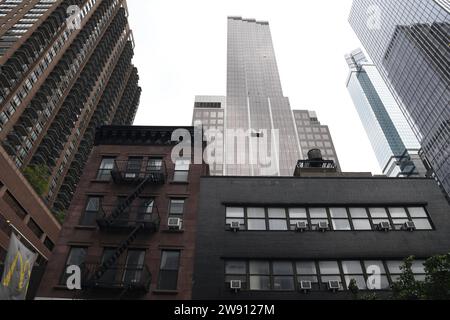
pixel 25 270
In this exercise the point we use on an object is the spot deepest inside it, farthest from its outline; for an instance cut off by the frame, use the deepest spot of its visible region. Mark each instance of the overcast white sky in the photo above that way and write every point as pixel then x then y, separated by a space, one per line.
pixel 181 52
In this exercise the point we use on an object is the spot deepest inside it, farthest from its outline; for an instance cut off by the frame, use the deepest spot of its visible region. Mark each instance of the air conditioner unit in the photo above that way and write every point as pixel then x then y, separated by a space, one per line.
pixel 306 286
pixel 301 226
pixel 130 175
pixel 235 225
pixel 236 285
pixel 410 226
pixel 174 223
pixel 334 285
pixel 384 226
pixel 323 226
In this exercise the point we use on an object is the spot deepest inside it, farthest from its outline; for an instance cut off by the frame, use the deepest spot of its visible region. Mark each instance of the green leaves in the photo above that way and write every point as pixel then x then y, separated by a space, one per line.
pixel 435 287
pixel 38 176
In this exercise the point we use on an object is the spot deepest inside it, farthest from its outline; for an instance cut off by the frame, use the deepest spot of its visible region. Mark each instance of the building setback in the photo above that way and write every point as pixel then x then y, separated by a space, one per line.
pixel 59 81
pixel 307 237
pixel 254 104
pixel 24 209
pixel 393 141
pixel 408 42
pixel 135 204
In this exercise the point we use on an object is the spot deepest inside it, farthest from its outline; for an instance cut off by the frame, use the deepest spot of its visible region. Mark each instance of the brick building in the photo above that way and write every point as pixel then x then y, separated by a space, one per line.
pixel 132 224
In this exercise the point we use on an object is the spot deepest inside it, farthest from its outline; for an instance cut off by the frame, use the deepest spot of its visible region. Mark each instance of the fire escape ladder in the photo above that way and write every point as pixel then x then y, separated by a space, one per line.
pixel 128 201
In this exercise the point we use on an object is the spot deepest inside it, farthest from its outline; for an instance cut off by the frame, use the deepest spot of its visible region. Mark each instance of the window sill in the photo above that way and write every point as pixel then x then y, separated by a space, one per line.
pixel 172 231
pixel 100 181
pixel 179 182
pixel 88 228
pixel 165 292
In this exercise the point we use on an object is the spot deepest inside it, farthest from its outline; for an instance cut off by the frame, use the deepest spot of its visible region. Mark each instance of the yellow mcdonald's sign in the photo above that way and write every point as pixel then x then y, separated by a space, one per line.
pixel 17 272
pixel 24 272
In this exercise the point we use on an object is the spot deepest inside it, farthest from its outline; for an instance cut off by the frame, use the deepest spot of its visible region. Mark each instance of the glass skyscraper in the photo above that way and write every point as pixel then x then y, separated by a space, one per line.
pixel 395 145
pixel 255 104
pixel 408 42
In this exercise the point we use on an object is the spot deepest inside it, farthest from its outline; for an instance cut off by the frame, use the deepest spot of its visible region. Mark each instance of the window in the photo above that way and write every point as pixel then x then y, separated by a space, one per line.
pixel 259 275
pixel 49 244
pixel 154 164
pixel 317 215
pixel 236 271
pixel 176 207
pixel 181 170
pixel 168 273
pixel 134 166
pixel 339 218
pixel 92 211
pixel 256 219
pixel 283 276
pixel 110 275
pixel 420 218
pixel 15 205
pixel 395 271
pixel 277 219
pixel 134 267
pixel 146 211
pixel 235 215
pixel 77 257
pixel 374 268
pixel 329 271
pixel 353 271
pixel 104 173
pixel 34 227
pixel 307 271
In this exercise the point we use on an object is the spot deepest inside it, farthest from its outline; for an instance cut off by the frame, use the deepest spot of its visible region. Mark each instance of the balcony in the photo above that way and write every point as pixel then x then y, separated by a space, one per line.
pixel 129 172
pixel 133 278
pixel 318 164
pixel 131 218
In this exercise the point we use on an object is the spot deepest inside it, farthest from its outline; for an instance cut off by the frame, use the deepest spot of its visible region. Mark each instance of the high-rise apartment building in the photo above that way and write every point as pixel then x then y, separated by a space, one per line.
pixel 255 104
pixel 65 70
pixel 393 141
pixel 408 42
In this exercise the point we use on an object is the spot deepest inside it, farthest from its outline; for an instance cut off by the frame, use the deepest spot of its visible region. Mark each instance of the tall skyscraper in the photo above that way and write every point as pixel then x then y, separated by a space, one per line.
pixel 255 104
pixel 395 145
pixel 408 42
pixel 65 70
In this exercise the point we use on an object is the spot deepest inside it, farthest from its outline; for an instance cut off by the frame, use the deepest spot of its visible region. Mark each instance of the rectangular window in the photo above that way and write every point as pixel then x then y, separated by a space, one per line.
pixel 110 275
pixel 49 244
pixel 77 257
pixel 256 219
pixel 176 207
pixel 259 275
pixel 134 267
pixel 34 227
pixel 15 205
pixel 236 271
pixel 336 218
pixel 307 271
pixel 234 214
pixel 134 166
pixel 145 212
pixel 104 172
pixel 154 164
pixel 181 170
pixel 168 272
pixel 283 276
pixel 91 213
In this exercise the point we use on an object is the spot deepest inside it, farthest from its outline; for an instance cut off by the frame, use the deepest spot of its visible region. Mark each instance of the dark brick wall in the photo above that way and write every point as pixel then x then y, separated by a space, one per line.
pixel 214 243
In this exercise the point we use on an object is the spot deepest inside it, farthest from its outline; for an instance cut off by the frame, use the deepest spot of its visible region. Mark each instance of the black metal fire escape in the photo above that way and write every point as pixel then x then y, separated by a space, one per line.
pixel 91 279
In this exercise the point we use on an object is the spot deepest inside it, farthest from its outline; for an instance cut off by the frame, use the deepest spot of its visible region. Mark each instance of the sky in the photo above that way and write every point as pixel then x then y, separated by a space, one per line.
pixel 181 52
